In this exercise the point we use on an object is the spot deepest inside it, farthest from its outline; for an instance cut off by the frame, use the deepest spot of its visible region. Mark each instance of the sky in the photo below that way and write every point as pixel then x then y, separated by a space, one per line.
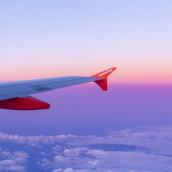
pixel 125 129
pixel 42 39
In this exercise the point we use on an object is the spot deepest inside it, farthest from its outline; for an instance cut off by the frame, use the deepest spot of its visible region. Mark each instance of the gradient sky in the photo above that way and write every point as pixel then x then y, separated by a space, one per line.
pixel 126 129
pixel 45 39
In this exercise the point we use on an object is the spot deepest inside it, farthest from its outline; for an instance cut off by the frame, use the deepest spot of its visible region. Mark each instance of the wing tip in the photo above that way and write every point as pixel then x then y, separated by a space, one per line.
pixel 104 74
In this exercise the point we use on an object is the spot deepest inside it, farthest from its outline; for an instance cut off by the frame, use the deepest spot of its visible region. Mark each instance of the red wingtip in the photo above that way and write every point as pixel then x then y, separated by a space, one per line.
pixel 102 84
pixel 103 75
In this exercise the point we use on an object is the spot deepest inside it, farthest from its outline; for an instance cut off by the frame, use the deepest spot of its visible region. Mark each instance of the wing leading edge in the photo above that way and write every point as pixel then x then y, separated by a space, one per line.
pixel 16 95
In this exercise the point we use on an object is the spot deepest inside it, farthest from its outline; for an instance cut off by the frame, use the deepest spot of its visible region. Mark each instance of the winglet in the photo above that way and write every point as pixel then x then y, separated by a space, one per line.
pixel 105 73
pixel 103 76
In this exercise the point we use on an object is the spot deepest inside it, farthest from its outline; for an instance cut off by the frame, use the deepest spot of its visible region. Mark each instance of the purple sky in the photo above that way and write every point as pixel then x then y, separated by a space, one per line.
pixel 86 109
pixel 130 124
pixel 127 128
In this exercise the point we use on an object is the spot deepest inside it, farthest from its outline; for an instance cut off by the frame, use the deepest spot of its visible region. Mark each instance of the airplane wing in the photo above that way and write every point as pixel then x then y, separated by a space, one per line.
pixel 16 95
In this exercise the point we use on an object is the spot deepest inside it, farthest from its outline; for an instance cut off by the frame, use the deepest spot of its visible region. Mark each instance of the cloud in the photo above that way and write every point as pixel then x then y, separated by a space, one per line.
pixel 72 170
pixel 36 140
pixel 56 149
pixel 75 152
pixel 16 168
pixel 144 149
pixel 59 158
pixel 7 162
pixel 57 170
pixel 14 161
pixel 68 170
pixel 93 163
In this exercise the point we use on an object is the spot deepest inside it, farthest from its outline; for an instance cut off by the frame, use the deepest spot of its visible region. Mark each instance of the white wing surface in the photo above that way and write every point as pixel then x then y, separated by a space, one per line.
pixel 25 88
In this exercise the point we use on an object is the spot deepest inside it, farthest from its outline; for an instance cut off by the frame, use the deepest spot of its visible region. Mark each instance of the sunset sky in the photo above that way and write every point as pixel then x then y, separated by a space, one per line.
pixel 41 39
pixel 125 129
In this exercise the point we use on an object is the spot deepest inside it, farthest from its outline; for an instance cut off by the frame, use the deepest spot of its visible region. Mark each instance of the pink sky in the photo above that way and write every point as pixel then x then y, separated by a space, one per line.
pixel 130 36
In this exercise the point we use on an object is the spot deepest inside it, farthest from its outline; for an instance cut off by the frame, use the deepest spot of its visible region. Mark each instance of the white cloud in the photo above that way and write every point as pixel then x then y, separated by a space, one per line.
pixel 56 149
pixel 72 170
pixel 5 153
pixel 44 163
pixel 97 153
pixel 57 170
pixel 68 170
pixel 36 140
pixel 75 152
pixel 14 161
pixel 94 163
pixel 59 158
pixel 7 162
pixel 16 168
pixel 143 150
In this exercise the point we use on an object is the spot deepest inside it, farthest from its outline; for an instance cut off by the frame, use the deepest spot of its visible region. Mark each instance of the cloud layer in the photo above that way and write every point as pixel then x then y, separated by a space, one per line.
pixel 13 161
pixel 145 149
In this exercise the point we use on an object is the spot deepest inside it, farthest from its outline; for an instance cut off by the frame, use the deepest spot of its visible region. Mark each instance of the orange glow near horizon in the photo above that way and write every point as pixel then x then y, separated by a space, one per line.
pixel 135 70
pixel 121 75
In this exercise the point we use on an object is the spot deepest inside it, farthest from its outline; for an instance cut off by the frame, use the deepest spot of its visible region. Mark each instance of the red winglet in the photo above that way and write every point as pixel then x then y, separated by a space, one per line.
pixel 103 75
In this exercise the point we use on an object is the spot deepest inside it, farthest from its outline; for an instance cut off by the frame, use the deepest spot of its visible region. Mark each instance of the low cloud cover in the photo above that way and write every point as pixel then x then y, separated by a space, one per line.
pixel 91 131
pixel 139 150
pixel 13 161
